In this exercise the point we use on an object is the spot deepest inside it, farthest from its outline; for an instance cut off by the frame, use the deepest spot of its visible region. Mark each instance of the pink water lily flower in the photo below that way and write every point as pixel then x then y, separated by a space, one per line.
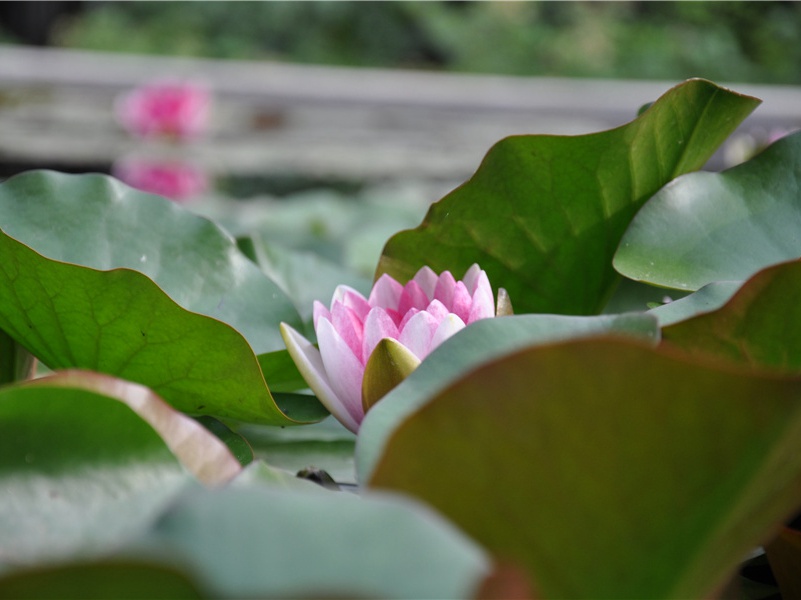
pixel 167 108
pixel 419 315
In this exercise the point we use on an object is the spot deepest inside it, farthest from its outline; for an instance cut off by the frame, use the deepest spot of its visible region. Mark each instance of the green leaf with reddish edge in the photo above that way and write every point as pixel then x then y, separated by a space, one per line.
pixel 708 227
pixel 759 327
pixel 476 344
pixel 87 460
pixel 708 298
pixel 543 215
pixel 607 468
pixel 98 581
pixel 119 321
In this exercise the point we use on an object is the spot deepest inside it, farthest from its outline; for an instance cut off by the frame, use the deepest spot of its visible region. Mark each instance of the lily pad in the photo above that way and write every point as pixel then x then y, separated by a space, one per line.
pixel 708 298
pixel 760 327
pixel 707 227
pixel 481 342
pixel 669 469
pixel 264 541
pixel 82 296
pixel 543 215
pixel 87 460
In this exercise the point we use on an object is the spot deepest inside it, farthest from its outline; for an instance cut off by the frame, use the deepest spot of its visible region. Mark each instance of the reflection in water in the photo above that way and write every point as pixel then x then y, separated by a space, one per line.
pixel 168 110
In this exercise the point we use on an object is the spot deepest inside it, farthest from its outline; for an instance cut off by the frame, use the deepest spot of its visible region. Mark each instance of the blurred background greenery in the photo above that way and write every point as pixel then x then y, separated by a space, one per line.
pixel 723 41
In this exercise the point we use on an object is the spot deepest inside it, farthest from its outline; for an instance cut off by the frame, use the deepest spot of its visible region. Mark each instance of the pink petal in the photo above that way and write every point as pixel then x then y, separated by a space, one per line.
pixel 418 332
pixel 349 327
pixel 406 317
pixel 310 364
pixel 377 326
pixel 444 289
pixel 344 370
pixel 413 296
pixel 358 303
pixel 461 301
pixel 427 280
pixel 483 306
pixel 447 327
pixel 471 277
pixel 437 310
pixel 320 311
pixel 385 293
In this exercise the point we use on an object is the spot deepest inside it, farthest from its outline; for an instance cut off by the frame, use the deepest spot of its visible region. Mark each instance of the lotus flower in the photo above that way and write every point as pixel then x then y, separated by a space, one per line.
pixel 397 326
pixel 174 109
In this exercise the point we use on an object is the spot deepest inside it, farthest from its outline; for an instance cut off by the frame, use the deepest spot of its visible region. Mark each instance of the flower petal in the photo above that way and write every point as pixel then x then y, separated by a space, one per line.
pixel 377 326
pixel 418 332
pixel 320 311
pixel 385 293
pixel 462 301
pixel 483 306
pixel 343 368
pixel 349 327
pixel 354 300
pixel 438 310
pixel 444 289
pixel 310 364
pixel 447 327
pixel 413 296
pixel 471 277
pixel 427 279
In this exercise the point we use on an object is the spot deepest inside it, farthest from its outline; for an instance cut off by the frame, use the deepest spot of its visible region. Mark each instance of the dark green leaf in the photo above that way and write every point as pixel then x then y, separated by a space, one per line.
pixel 543 215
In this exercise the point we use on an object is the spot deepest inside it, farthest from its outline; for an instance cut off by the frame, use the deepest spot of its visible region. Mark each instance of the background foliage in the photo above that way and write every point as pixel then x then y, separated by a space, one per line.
pixel 726 41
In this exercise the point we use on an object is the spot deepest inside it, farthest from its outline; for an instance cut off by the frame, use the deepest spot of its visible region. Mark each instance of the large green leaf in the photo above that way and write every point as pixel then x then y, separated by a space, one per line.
pixel 708 227
pixel 479 343
pixel 81 295
pixel 87 460
pixel 607 468
pixel 262 541
pixel 543 214
pixel 759 327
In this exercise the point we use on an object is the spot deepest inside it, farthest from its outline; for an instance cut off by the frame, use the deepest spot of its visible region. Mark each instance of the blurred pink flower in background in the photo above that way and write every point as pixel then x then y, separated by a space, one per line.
pixel 167 108
pixel 173 179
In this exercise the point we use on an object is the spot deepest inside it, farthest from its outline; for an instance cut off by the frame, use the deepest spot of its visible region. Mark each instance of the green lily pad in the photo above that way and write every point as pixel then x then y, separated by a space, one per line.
pixel 481 342
pixel 708 298
pixel 607 468
pixel 708 227
pixel 81 295
pixel 262 541
pixel 87 460
pixel 759 327
pixel 543 215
